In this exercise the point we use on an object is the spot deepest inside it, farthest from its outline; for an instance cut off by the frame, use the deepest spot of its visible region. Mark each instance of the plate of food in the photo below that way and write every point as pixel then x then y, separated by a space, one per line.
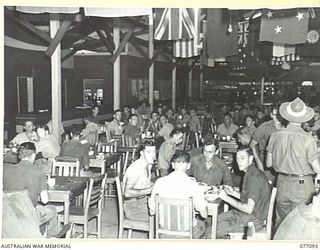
pixel 211 195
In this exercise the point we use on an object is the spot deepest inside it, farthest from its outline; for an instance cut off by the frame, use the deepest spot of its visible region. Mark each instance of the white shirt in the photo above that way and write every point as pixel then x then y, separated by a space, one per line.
pixel 22 137
pixel 178 185
pixel 49 146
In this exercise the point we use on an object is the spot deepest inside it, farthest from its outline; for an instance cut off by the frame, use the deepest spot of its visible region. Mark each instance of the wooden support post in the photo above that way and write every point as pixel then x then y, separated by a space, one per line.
pixel 201 80
pixel 174 84
pixel 151 67
pixel 58 37
pixel 56 79
pixel 262 91
pixel 121 45
pixel 105 41
pixel 190 79
pixel 116 64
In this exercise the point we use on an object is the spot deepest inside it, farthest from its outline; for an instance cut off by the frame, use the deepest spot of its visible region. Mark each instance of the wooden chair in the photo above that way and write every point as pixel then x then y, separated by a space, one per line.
pixel 91 209
pixel 174 217
pixel 65 166
pixel 127 141
pixel 185 141
pixel 125 223
pixel 107 146
pixel 265 232
pixel 127 158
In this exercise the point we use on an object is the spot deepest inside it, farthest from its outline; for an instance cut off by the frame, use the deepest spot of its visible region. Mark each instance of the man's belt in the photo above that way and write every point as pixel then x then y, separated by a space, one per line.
pixel 296 175
pixel 134 198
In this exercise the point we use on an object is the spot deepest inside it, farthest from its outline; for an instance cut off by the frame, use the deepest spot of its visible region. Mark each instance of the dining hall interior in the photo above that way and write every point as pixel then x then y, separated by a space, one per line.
pixel 161 123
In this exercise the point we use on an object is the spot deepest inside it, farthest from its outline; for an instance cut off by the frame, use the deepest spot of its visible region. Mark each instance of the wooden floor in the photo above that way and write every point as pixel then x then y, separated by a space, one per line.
pixel 110 223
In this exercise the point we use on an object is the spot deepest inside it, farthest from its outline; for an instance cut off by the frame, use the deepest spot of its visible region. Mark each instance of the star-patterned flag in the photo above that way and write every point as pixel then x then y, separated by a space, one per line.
pixel 175 23
pixel 284 26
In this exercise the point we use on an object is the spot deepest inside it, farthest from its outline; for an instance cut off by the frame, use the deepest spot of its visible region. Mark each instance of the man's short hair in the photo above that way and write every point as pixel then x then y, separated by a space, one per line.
pixel 163 115
pixel 116 111
pixel 132 115
pixel 181 156
pixel 75 130
pixel 96 107
pixel 227 114
pixel 146 144
pixel 211 141
pixel 44 126
pixel 154 112
pixel 28 121
pixel 88 118
pixel 175 132
pixel 241 131
pixel 26 149
pixel 246 149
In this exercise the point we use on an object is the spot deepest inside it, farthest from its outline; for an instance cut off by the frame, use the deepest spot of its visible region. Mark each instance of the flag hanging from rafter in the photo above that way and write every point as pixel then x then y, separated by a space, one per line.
pixel 189 47
pixel 174 23
pixel 284 26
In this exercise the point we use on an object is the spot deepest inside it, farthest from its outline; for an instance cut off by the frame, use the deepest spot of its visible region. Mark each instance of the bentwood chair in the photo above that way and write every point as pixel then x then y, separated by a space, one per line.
pixel 173 217
pixel 92 208
pixel 266 232
pixel 126 223
pixel 65 166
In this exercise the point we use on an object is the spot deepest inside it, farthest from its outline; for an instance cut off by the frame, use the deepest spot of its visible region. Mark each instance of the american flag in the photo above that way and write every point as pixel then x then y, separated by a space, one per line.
pixel 175 23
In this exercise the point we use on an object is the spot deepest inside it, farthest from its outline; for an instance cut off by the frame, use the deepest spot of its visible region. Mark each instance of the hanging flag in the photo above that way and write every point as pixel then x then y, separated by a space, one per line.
pixel 248 35
pixel 175 23
pixel 280 49
pixel 221 42
pixel 189 47
pixel 312 47
pixel 284 26
pixel 278 60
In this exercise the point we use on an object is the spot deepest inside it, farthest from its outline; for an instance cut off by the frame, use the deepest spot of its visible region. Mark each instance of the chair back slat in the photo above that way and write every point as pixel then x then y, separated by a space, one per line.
pixel 95 192
pixel 174 216
pixel 120 198
pixel 65 166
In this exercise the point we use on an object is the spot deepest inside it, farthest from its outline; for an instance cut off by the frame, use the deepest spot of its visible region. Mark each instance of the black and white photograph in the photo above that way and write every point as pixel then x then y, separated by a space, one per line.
pixel 161 123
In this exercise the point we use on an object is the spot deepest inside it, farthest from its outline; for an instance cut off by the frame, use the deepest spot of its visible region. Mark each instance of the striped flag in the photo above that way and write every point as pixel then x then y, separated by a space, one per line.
pixel 175 23
pixel 278 60
pixel 189 47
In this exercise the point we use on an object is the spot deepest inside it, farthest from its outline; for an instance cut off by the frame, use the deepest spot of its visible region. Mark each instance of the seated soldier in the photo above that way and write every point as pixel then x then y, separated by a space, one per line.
pixel 132 130
pixel 75 148
pixel 167 150
pixel 208 168
pixel 227 128
pixel 250 204
pixel 115 126
pixel 138 184
pixel 27 136
pixel 179 186
pixel 91 131
pixel 25 175
pixel 47 144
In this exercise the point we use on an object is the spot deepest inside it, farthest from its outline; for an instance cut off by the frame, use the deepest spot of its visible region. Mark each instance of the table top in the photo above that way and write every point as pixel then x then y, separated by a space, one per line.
pixel 67 184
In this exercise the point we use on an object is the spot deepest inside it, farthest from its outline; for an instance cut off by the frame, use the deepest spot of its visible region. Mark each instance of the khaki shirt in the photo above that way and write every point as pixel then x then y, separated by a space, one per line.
pixel 293 150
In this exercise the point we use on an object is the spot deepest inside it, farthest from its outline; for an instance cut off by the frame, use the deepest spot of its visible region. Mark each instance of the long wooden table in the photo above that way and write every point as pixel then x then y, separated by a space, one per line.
pixel 66 189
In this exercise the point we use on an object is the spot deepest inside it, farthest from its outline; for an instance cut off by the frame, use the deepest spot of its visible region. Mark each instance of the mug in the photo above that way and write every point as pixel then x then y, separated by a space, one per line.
pixel 51 182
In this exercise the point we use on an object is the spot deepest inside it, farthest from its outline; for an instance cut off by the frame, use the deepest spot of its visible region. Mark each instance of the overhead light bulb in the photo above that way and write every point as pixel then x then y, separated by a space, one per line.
pixel 230 29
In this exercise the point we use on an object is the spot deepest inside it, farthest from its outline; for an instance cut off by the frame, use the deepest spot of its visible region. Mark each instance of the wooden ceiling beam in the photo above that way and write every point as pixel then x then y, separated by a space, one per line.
pixel 58 37
pixel 140 50
pixel 40 34
pixel 135 22
pixel 105 41
pixel 121 46
pixel 71 53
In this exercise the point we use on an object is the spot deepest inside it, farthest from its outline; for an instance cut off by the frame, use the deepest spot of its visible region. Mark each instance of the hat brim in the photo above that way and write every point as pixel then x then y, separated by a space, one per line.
pixel 300 119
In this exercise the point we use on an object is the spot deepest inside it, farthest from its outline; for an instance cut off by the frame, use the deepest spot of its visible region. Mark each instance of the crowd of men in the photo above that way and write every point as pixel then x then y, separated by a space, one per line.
pixel 277 147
